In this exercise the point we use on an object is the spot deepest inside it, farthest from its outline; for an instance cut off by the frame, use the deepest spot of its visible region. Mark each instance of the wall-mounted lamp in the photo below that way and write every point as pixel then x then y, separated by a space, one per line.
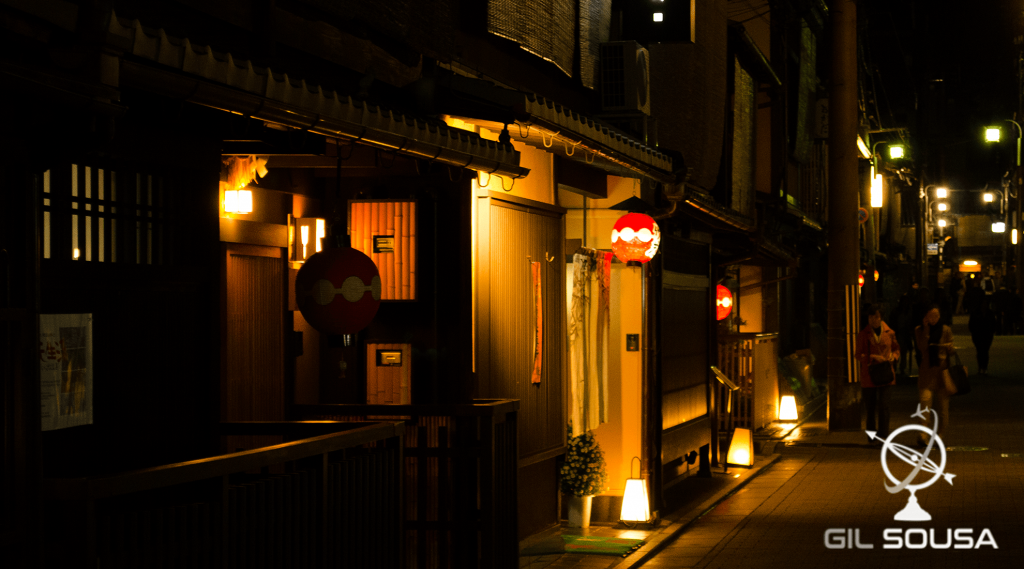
pixel 636 506
pixel 941 193
pixel 896 151
pixel 1013 236
pixel 998 227
pixel 238 201
pixel 876 191
pixel 942 223
pixel 992 133
pixel 723 302
pixel 943 206
pixel 989 197
pixel 311 231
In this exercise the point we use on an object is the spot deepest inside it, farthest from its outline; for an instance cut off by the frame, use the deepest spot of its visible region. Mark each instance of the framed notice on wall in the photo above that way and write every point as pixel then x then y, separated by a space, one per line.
pixel 65 369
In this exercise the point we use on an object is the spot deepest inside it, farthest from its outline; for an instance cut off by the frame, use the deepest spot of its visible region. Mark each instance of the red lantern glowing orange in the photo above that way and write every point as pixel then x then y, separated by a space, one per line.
pixel 860 279
pixel 635 237
pixel 338 290
pixel 876 275
pixel 723 302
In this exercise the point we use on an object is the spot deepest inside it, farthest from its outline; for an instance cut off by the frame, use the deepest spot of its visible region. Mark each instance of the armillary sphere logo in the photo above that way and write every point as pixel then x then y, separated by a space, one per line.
pixel 919 460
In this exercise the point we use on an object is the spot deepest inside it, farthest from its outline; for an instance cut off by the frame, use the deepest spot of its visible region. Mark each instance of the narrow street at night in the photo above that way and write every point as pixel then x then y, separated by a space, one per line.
pixel 813 481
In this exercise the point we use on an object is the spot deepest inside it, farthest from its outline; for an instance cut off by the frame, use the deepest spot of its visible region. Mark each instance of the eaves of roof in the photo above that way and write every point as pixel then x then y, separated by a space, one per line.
pixel 198 74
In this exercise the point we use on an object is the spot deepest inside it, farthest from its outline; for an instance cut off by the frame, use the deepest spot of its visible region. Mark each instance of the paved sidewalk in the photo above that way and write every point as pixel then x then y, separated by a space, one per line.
pixel 810 481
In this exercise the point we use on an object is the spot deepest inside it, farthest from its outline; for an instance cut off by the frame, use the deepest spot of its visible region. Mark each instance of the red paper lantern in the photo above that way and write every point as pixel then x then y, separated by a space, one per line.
pixel 876 275
pixel 635 237
pixel 860 279
pixel 338 290
pixel 723 302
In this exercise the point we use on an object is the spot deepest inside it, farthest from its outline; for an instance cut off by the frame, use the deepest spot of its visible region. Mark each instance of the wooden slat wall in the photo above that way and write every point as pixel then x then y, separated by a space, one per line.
pixel 396 218
pixel 388 384
pixel 517 236
pixel 254 368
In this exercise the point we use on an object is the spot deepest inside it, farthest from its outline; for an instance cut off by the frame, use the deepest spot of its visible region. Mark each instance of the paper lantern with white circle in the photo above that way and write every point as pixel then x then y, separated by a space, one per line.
pixel 338 290
pixel 635 237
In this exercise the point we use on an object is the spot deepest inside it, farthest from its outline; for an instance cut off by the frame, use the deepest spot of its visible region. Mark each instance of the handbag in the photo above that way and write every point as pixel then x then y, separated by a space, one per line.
pixel 881 373
pixel 955 376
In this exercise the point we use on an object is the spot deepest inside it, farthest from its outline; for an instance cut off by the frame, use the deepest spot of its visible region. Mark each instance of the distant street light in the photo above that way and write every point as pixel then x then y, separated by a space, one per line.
pixel 943 206
pixel 942 223
pixel 896 151
pixel 941 193
pixel 988 197
pixel 998 227
pixel 992 133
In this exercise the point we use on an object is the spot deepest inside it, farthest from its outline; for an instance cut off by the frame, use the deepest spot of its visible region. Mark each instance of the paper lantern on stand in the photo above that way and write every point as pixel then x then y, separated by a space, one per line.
pixel 635 237
pixel 338 290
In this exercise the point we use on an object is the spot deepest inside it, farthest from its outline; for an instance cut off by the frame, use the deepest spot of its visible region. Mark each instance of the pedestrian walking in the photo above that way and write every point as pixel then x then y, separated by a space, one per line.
pixel 1002 305
pixel 902 318
pixel 988 285
pixel 983 328
pixel 974 296
pixel 960 292
pixel 935 345
pixel 877 345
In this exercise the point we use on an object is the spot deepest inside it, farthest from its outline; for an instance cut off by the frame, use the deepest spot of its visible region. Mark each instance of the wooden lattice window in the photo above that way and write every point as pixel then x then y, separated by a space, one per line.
pixel 101 215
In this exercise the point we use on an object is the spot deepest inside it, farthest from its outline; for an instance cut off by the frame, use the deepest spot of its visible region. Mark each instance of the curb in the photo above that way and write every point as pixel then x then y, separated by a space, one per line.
pixel 658 541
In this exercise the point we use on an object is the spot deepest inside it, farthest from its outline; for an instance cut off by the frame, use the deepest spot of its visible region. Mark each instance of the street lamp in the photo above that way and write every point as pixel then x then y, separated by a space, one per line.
pixel 992 135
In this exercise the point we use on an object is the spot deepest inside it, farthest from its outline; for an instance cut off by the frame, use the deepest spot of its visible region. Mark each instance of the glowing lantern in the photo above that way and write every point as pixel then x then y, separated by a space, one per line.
pixel 860 279
pixel 338 290
pixel 741 448
pixel 635 237
pixel 876 275
pixel 723 302
pixel 636 506
pixel 787 408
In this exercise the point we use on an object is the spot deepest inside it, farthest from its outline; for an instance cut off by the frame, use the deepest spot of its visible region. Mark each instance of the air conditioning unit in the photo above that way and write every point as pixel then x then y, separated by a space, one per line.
pixel 624 68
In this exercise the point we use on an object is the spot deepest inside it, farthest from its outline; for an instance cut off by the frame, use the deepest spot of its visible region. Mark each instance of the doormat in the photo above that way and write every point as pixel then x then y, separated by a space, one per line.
pixel 592 544
pixel 585 544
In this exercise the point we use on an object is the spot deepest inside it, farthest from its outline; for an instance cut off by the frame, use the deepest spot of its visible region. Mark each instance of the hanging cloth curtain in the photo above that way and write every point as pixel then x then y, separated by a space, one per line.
pixel 589 320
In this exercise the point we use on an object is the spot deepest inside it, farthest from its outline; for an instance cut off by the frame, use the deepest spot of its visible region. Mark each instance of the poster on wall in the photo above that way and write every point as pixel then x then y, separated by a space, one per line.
pixel 65 366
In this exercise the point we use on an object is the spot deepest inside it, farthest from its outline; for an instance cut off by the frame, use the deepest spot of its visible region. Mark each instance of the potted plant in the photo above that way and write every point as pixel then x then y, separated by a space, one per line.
pixel 583 475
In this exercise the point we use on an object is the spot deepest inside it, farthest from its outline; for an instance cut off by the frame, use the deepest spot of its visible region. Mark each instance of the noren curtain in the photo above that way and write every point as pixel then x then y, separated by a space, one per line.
pixel 589 320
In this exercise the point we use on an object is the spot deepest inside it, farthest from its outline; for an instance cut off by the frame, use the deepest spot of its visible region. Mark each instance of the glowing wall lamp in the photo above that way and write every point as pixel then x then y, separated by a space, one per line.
pixel 636 506
pixel 1013 236
pixel 741 448
pixel 989 197
pixel 896 151
pixel 876 275
pixel 312 231
pixel 860 279
pixel 943 206
pixel 998 227
pixel 787 408
pixel 941 193
pixel 876 191
pixel 942 223
pixel 992 133
pixel 238 201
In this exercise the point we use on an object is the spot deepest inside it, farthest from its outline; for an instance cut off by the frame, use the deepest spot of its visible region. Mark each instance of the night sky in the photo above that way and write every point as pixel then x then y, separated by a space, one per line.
pixel 944 70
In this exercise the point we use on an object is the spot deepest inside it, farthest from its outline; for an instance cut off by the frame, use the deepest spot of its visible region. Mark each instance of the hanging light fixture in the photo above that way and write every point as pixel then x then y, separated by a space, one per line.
pixel 723 302
pixel 876 191
pixel 636 506
pixel 635 237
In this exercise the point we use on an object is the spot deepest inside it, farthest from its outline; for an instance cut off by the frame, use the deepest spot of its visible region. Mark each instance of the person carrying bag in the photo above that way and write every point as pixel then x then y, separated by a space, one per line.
pixel 935 344
pixel 877 349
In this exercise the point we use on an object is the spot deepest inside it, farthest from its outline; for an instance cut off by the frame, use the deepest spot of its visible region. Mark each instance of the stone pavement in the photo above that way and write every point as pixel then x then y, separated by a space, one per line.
pixel 810 481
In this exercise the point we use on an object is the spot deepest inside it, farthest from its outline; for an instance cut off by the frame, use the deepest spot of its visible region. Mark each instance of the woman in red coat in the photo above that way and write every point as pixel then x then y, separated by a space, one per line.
pixel 876 343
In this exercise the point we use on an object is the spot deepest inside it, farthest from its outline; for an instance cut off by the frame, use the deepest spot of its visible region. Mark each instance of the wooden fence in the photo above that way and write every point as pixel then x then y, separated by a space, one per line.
pixel 329 499
pixel 460 480
pixel 751 362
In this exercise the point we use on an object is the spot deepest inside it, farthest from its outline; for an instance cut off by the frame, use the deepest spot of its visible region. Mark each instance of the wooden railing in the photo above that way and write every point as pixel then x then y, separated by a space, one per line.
pixel 461 467
pixel 330 499
pixel 751 362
